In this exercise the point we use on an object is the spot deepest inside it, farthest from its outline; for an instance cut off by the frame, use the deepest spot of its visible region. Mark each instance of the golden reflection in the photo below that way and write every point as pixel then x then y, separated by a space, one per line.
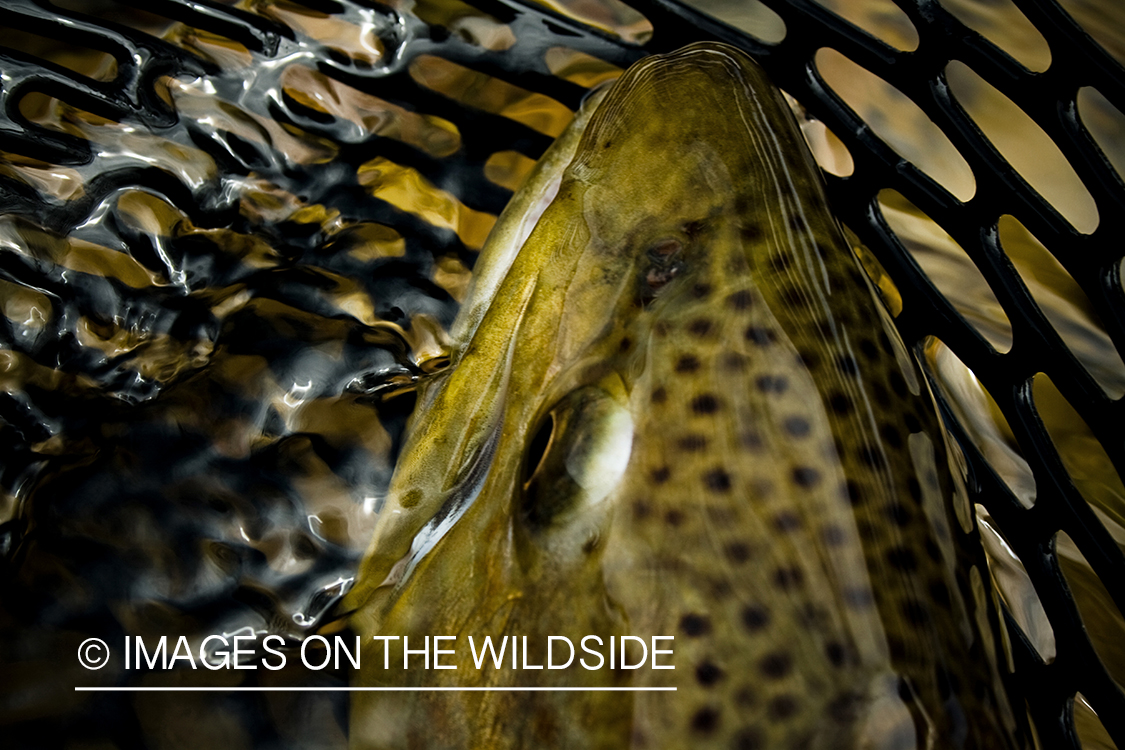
pixel 508 169
pixel 1065 305
pixel 1106 124
pixel 489 94
pixel 751 16
pixel 578 67
pixel 1002 23
pixel 405 189
pixel 24 306
pixel 881 19
pixel 1103 621
pixel 60 183
pixel 898 121
pixel 950 269
pixel 1083 456
pixel 1024 145
pixel 612 16
pixel 979 415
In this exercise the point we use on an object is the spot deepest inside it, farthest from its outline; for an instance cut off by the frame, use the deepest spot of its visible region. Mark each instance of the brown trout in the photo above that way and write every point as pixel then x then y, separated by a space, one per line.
pixel 677 408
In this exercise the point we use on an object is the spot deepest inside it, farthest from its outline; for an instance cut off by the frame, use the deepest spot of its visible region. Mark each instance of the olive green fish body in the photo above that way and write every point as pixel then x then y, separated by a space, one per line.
pixel 683 412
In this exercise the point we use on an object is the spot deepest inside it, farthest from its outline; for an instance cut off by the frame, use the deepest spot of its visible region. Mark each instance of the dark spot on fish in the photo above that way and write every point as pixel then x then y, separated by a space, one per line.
pixel 891 435
pixel 787 521
pixel 705 720
pixel 797 223
pixel 707 674
pixel 734 361
pixel 852 492
pixel 780 261
pixel 751 441
pixel 717 480
pixel 866 531
pixel 705 404
pixel 641 509
pixel 841 403
pixel 833 536
pixel 741 300
pixel 788 579
pixel 826 328
pixel 692 443
pixel 805 476
pixel 939 594
pixel 858 597
pixel 885 343
pixel 591 544
pixel 661 328
pixel 755 617
pixel 737 552
pixel 843 709
pixel 695 625
pixel 701 290
pixel 782 707
pixel 933 550
pixel 871 456
pixel 901 558
pixel 868 348
pixel 836 653
pixel 626 344
pixel 912 423
pixel 914 489
pixel 900 515
pixel 750 738
pixel 896 647
pixel 797 426
pixel 776 665
pixel 701 327
pixel 772 383
pixel 823 249
pixel 915 612
pixel 687 363
pixel 659 395
pixel 847 365
pixel 880 394
pixel 760 336
pixel 751 232
pixel 674 517
pixel 898 385
pixel 660 475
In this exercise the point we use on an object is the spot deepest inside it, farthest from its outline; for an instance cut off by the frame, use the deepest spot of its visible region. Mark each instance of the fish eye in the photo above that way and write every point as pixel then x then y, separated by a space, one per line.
pixel 576 456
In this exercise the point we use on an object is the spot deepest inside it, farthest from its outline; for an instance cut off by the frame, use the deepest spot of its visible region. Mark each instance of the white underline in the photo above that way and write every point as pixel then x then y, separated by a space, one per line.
pixel 369 689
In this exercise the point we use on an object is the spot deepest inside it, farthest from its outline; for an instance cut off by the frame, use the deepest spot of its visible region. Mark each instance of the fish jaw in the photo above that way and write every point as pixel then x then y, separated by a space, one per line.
pixel 683 412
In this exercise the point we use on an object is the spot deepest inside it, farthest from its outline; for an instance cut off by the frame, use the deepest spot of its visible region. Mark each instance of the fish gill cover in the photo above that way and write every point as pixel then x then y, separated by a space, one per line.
pixel 234 238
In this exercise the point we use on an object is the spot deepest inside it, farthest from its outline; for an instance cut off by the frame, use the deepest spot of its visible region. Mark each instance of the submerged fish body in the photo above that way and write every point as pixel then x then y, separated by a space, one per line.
pixel 680 410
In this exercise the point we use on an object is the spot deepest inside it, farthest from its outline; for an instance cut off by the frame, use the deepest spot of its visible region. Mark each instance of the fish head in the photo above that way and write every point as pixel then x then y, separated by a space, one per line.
pixel 679 411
